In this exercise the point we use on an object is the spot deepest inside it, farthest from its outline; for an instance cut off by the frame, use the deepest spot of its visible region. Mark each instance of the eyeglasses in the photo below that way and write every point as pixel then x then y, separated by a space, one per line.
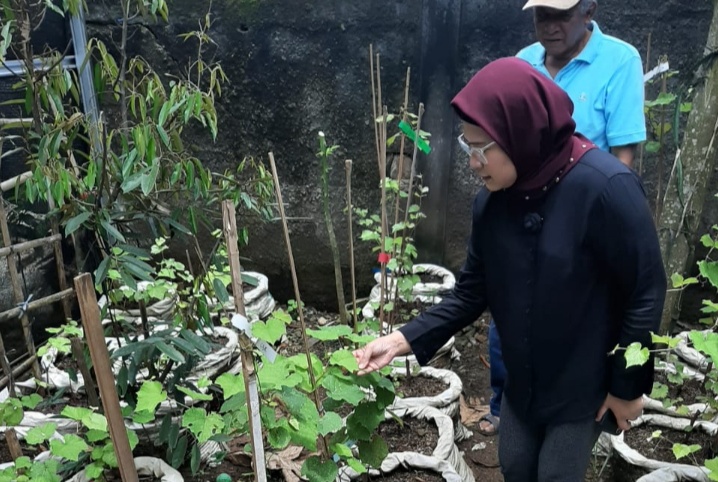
pixel 479 152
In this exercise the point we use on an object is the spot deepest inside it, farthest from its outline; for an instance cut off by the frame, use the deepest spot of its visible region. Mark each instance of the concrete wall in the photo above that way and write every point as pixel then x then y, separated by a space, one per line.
pixel 299 66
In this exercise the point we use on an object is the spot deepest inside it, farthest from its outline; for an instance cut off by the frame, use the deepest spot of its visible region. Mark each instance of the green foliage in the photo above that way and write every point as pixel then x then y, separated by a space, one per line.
pixel 11 412
pixel 26 470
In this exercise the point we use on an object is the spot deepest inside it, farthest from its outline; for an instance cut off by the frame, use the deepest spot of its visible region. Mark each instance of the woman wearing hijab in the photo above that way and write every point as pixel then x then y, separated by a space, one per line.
pixel 564 253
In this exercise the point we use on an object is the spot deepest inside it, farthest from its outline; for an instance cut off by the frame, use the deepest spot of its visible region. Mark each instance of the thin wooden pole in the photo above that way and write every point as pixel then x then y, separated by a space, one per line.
pixel 78 353
pixel 17 292
pixel 5 364
pixel 350 209
pixel 295 282
pixel 12 444
pixel 105 378
pixel 229 217
pixel 28 245
pixel 59 259
pixel 48 300
pixel 375 113
pixel 16 372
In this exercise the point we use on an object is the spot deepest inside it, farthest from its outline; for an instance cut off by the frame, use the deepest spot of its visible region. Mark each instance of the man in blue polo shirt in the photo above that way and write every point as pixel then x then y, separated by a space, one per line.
pixel 604 78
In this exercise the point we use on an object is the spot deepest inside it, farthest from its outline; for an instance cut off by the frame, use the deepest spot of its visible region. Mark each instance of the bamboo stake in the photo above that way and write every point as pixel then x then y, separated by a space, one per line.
pixel 5 363
pixel 350 208
pixel 399 176
pixel 661 153
pixel 78 352
pixel 92 325
pixel 12 444
pixel 28 245
pixel 59 259
pixel 295 282
pixel 17 293
pixel 374 103
pixel 249 375
pixel 16 312
pixel 382 169
pixel 16 372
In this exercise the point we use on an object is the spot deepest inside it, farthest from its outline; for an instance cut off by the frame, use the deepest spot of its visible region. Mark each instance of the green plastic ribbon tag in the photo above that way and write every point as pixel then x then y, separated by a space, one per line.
pixel 409 132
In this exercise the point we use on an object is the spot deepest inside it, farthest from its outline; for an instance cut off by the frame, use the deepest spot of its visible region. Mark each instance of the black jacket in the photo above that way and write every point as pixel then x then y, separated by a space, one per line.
pixel 566 278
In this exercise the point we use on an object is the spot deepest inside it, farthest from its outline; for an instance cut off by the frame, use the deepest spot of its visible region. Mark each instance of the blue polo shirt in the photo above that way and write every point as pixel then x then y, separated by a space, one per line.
pixel 605 83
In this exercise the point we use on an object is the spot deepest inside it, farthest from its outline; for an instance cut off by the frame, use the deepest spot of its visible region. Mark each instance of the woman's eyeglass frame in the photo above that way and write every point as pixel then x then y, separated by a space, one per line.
pixel 479 152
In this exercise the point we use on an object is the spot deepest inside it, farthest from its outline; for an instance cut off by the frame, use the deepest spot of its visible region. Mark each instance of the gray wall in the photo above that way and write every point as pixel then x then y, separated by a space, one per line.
pixel 299 66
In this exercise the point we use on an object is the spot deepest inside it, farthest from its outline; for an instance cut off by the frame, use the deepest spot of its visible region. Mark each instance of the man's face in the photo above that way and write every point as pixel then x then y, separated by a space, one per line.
pixel 561 31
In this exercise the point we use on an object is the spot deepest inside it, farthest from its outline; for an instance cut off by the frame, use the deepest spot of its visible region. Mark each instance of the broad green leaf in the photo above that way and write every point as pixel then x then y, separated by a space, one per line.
pixel 278 437
pixel 133 439
pixel 660 391
pixel 11 412
pixel 271 331
pixel 331 422
pixel 148 181
pixel 680 450
pixel 345 359
pixel 39 434
pixel 330 332
pixel 300 406
pixel 274 376
pixel 709 270
pixel 317 470
pixel 194 459
pixel 202 425
pixel 356 465
pixel 94 470
pixel 70 448
pixel 373 452
pixel 200 397
pixel 712 466
pixel 342 450
pixel 149 396
pixel 45 471
pixel 636 355
pixel 31 401
pixel 230 384
pixel 670 341
pixel 340 390
pixel 706 343
pixel 74 223
pixel 93 436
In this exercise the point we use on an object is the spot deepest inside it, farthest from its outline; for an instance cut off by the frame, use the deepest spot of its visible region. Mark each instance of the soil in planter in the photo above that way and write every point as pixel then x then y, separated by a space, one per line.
pixel 409 475
pixel 294 343
pixel 416 435
pixel 404 311
pixel 430 278
pixel 420 386
pixel 689 391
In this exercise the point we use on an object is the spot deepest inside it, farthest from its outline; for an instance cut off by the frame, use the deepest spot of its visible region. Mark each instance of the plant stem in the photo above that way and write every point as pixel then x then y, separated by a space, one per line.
pixel 338 282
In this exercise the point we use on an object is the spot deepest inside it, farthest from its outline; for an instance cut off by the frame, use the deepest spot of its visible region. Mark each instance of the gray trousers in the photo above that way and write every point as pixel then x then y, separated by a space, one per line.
pixel 544 453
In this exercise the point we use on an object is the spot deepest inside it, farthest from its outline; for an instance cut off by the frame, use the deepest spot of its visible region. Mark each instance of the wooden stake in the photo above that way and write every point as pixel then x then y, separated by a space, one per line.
pixel 16 372
pixel 350 208
pixel 28 245
pixel 17 292
pixel 382 177
pixel 5 364
pixel 12 444
pixel 105 378
pixel 295 282
pixel 48 300
pixel 229 217
pixel 374 103
pixel 78 352
pixel 59 260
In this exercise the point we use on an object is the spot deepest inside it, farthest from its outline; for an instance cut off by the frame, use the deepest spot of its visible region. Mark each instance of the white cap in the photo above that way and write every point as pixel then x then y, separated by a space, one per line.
pixel 557 4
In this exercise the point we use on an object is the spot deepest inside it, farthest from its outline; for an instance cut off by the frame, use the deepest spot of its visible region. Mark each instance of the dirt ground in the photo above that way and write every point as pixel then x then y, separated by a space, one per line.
pixel 481 452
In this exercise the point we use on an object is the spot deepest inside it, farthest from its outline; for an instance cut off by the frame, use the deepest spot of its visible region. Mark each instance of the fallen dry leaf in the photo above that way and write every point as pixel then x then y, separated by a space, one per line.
pixel 287 462
pixel 472 410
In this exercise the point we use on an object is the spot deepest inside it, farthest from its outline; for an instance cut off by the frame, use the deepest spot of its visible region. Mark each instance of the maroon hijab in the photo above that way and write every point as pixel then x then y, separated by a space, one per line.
pixel 529 117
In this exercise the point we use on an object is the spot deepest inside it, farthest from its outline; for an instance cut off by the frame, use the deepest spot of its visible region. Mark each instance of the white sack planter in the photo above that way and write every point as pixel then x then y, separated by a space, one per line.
pixel 447 401
pixel 146 466
pixel 409 460
pixel 36 419
pixel 633 457
pixel 445 449
pixel 258 302
pixel 448 280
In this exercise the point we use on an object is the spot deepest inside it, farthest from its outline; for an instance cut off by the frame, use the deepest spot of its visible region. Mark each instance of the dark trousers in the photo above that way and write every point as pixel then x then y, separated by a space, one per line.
pixel 544 453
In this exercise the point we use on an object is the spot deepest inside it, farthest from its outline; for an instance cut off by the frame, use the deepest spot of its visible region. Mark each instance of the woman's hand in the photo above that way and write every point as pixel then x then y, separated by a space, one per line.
pixel 626 411
pixel 378 353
